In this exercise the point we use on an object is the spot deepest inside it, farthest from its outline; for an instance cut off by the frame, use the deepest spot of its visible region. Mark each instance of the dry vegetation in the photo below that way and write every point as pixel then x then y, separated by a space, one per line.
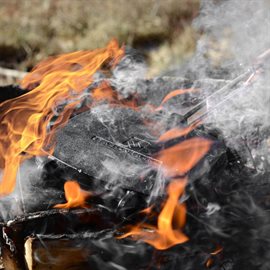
pixel 33 29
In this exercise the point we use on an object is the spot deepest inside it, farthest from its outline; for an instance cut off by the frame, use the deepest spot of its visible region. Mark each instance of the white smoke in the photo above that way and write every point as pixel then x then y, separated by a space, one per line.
pixel 235 33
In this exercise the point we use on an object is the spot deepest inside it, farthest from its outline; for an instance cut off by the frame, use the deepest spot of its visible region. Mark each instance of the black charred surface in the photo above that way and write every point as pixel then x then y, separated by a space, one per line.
pixel 103 148
pixel 10 91
pixel 228 207
pixel 51 222
pixel 62 221
pixel 114 145
pixel 227 202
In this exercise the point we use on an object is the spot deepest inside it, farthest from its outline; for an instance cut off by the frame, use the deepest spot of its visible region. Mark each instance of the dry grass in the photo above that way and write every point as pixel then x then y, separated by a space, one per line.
pixel 31 30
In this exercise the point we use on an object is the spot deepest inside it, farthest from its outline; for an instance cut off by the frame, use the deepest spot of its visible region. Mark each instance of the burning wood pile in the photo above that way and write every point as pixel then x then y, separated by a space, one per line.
pixel 102 169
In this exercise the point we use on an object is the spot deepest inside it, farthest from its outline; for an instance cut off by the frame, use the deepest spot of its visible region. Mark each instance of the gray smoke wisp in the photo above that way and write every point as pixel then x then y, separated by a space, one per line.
pixel 244 28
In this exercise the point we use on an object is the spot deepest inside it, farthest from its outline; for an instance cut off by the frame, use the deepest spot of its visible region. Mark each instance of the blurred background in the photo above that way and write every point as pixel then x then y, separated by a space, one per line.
pixel 32 30
pixel 195 38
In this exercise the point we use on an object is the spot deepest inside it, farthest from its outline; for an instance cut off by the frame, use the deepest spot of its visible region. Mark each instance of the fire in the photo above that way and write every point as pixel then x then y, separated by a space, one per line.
pixel 105 92
pixel 171 220
pixel 180 158
pixel 210 261
pixel 25 120
pixel 217 251
pixel 176 132
pixel 75 196
pixel 175 93
pixel 28 125
pixel 177 160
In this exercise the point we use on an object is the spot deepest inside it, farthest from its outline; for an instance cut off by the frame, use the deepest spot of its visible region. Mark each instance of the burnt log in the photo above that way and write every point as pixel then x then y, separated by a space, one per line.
pixel 51 222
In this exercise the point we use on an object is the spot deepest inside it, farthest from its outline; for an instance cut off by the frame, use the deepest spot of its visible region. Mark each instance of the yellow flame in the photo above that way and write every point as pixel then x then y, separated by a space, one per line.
pixel 24 120
pixel 75 196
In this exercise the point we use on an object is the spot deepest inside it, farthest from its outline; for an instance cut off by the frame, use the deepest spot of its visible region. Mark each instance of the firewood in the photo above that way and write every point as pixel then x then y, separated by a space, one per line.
pixel 93 251
pixel 42 253
pixel 51 222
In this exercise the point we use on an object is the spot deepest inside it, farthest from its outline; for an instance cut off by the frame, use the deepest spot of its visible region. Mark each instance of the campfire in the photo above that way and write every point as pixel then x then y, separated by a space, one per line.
pixel 103 170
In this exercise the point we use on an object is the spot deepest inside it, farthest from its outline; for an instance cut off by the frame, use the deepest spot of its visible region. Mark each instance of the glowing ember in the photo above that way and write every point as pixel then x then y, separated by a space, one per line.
pixel 75 196
pixel 25 120
pixel 170 221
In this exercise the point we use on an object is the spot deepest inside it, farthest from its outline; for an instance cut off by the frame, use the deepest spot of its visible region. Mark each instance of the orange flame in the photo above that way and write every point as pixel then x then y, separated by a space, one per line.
pixel 177 132
pixel 24 120
pixel 181 158
pixel 175 93
pixel 210 261
pixel 170 222
pixel 177 159
pixel 104 92
pixel 217 251
pixel 75 196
